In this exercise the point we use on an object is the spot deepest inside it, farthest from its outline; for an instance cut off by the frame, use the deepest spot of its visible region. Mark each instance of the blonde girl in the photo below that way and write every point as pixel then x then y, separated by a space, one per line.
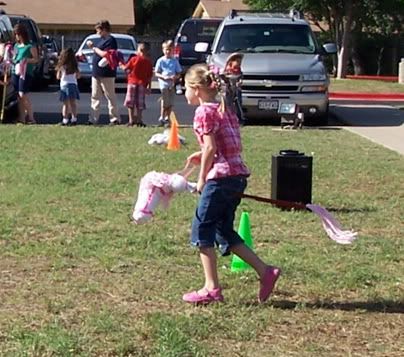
pixel 67 72
pixel 222 177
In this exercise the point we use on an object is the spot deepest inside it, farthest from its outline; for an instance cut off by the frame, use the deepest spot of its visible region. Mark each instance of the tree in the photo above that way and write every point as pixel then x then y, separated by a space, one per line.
pixel 161 16
pixel 380 21
pixel 343 18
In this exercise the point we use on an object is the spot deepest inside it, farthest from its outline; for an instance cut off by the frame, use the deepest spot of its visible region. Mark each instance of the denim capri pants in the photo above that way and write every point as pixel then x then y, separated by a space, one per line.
pixel 214 216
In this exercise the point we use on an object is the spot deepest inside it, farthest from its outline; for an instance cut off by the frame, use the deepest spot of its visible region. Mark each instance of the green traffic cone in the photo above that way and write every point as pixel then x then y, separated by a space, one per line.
pixel 244 231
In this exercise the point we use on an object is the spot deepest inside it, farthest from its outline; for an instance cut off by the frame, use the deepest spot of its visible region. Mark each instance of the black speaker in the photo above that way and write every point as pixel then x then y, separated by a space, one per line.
pixel 291 176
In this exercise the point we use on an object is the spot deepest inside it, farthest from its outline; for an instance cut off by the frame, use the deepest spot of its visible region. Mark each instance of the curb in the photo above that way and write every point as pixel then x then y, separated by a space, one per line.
pixel 366 96
pixel 373 77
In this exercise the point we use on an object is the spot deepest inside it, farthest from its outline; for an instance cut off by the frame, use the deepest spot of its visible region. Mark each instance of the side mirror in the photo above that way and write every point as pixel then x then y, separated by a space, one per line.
pixel 201 47
pixel 330 48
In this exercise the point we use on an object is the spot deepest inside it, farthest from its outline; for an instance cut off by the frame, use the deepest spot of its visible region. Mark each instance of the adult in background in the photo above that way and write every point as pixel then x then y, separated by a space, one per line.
pixel 25 58
pixel 103 78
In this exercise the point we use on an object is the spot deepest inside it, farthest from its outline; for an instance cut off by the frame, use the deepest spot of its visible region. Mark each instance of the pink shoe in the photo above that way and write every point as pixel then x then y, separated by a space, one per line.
pixel 206 297
pixel 268 282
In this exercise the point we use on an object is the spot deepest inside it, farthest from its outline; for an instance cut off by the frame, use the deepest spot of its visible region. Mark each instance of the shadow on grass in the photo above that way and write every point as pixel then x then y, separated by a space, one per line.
pixel 350 114
pixel 384 306
pixel 351 210
pixel 307 128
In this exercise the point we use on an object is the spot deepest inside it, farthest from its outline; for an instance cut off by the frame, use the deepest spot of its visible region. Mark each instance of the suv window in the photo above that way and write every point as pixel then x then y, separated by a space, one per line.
pixel 198 31
pixel 4 32
pixel 267 38
pixel 33 33
pixel 6 28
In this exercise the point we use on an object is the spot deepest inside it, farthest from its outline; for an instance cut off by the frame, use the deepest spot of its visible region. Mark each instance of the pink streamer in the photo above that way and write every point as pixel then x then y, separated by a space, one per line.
pixel 332 226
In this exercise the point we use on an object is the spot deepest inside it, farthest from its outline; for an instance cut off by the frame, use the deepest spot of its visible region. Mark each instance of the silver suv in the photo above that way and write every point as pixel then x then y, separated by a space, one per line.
pixel 282 62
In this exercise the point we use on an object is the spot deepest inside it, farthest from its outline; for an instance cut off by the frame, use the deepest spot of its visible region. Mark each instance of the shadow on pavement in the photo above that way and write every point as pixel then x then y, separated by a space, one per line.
pixel 367 115
pixel 82 119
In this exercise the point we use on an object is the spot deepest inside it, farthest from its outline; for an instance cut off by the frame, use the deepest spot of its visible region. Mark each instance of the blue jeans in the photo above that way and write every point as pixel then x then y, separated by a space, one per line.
pixel 214 216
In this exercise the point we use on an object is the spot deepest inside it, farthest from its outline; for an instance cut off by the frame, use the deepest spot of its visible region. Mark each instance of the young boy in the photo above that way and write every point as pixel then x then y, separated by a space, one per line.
pixel 140 71
pixel 167 70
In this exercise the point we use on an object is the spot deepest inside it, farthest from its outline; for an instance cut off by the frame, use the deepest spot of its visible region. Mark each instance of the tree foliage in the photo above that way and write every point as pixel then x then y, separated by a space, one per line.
pixel 344 18
pixel 161 16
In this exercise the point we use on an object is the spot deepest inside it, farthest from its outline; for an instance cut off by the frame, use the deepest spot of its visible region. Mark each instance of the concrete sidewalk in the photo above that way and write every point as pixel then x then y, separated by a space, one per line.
pixel 381 124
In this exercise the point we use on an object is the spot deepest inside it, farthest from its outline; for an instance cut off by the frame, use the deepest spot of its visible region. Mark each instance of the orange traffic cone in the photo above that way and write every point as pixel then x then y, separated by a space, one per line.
pixel 173 139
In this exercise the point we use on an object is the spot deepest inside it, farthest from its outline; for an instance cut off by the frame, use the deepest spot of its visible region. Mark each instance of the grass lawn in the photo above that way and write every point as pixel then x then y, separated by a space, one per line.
pixel 78 279
pixel 367 86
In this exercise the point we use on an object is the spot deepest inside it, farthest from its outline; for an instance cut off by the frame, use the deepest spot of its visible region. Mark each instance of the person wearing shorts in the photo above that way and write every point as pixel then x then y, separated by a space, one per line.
pixel 140 71
pixel 67 72
pixel 25 58
pixel 167 70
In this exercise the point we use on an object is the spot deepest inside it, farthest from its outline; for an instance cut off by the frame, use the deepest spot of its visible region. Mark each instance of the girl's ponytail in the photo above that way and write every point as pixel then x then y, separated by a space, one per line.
pixel 221 89
pixel 209 78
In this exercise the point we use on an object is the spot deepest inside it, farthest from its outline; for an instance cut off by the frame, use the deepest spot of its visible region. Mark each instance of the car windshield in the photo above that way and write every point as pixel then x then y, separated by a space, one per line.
pixel 266 38
pixel 199 31
pixel 123 43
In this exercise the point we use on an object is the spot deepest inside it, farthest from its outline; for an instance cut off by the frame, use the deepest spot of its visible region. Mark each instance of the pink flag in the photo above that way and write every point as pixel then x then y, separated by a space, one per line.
pixel 332 226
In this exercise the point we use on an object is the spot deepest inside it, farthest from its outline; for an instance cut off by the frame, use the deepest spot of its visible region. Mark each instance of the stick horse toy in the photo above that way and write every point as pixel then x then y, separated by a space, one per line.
pixel 158 188
pixel 7 57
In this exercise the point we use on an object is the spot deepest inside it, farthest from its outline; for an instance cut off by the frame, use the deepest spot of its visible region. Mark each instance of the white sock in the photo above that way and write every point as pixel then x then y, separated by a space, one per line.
pixel 65 121
pixel 74 119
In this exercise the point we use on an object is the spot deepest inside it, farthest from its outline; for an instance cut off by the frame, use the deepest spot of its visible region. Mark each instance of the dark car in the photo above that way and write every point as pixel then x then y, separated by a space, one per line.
pixel 52 52
pixel 191 31
pixel 10 111
pixel 41 70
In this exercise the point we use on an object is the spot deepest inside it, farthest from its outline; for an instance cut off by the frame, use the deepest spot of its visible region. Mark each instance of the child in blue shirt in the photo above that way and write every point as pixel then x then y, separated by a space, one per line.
pixel 167 70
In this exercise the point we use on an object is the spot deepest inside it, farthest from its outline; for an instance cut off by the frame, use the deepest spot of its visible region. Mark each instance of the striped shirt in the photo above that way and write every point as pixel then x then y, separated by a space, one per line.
pixel 225 129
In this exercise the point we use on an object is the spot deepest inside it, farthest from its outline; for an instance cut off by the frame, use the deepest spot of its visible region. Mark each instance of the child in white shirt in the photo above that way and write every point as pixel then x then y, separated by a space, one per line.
pixel 68 73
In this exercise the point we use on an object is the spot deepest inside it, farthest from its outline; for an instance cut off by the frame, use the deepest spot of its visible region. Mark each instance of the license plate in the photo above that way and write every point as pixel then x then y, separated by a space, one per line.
pixel 268 104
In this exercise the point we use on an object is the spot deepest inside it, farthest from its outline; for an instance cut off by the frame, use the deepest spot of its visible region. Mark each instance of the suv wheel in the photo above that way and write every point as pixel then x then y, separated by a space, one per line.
pixel 320 120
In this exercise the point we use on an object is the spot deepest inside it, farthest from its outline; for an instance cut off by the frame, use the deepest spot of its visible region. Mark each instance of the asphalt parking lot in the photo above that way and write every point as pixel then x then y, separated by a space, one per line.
pixel 380 122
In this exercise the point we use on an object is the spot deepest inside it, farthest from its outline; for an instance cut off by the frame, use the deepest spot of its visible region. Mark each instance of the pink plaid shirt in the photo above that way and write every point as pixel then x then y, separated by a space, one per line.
pixel 225 128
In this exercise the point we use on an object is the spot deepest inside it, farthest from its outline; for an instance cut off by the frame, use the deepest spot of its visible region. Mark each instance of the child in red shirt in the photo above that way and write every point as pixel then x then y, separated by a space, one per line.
pixel 140 71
